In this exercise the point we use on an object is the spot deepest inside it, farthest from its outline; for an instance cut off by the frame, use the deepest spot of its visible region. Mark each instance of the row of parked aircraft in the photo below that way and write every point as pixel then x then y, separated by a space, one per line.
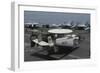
pixel 71 25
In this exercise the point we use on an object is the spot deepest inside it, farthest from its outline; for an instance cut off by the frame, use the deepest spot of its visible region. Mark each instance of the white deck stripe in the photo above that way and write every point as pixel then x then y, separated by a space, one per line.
pixel 73 56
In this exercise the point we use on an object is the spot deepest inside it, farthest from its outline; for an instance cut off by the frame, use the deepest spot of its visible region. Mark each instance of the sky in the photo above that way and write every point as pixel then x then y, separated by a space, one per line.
pixel 54 17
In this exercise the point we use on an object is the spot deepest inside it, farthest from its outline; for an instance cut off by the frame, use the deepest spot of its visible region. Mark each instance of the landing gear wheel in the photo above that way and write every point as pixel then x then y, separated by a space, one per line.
pixel 76 43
